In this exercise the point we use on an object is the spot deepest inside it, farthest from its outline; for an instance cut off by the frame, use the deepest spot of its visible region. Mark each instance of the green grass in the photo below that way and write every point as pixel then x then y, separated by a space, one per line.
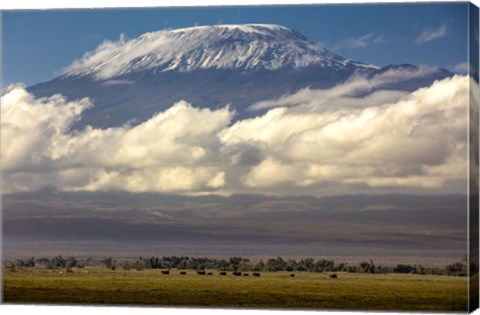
pixel 271 290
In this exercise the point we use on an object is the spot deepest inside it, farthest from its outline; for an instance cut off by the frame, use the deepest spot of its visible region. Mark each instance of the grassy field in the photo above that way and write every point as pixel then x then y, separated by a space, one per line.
pixel 271 290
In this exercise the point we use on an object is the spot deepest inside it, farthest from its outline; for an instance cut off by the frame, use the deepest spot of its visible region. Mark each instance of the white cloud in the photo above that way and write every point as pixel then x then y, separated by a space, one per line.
pixel 432 34
pixel 118 82
pixel 307 142
pixel 33 130
pixel 172 151
pixel 360 42
pixel 346 95
pixel 461 68
pixel 418 140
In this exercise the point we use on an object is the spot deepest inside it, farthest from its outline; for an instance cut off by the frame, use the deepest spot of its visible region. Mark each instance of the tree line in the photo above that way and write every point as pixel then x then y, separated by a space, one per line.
pixel 244 264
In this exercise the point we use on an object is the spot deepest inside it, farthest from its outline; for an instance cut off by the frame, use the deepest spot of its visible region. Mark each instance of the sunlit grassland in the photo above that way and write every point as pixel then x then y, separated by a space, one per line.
pixel 271 290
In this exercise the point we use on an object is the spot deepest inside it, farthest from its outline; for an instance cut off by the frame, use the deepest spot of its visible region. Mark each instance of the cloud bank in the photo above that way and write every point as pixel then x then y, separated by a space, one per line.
pixel 316 142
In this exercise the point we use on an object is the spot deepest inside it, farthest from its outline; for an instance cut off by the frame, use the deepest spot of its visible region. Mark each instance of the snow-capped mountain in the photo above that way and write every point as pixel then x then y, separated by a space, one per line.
pixel 247 47
pixel 208 66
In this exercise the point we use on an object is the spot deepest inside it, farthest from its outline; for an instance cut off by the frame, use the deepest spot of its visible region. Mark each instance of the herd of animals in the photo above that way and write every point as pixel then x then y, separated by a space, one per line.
pixel 235 273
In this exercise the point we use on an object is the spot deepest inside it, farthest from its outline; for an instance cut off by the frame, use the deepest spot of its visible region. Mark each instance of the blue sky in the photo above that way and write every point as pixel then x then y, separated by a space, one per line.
pixel 38 44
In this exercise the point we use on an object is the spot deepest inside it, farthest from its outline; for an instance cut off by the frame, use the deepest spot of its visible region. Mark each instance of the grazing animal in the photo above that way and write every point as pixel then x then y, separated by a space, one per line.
pixel 246 274
pixel 183 272
pixel 166 272
pixel 292 275
pixel 201 272
pixel 237 273
pixel 210 274
pixel 333 276
pixel 222 273
pixel 256 274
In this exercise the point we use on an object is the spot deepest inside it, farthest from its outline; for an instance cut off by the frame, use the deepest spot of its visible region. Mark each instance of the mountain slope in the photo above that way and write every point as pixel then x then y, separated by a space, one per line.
pixel 208 66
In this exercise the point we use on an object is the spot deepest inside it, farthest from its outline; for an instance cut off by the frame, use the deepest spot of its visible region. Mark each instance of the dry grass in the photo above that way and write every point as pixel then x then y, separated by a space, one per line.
pixel 272 290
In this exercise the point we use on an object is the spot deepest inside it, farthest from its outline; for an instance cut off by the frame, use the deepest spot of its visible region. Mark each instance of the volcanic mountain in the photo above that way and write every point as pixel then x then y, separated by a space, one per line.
pixel 208 66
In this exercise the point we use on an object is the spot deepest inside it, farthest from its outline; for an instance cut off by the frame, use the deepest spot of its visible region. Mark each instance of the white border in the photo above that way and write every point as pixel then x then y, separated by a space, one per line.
pixel 71 4
pixel 53 4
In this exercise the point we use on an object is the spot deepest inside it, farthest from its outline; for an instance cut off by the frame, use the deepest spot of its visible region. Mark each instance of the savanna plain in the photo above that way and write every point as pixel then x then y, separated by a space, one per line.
pixel 304 290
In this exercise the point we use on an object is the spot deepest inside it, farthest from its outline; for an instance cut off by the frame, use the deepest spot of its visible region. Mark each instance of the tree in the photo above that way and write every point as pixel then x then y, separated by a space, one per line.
pixel 259 266
pixel 324 265
pixel 235 261
pixel 57 262
pixel 309 264
pixel 109 263
pixel 456 269
pixel 30 263
pixel 276 264
pixel 72 262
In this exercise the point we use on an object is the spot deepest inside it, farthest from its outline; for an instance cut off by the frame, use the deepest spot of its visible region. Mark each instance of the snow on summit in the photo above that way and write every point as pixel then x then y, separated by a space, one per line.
pixel 246 47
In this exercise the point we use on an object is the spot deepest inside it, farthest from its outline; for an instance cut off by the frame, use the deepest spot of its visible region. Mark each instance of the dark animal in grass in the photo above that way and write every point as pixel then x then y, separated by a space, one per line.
pixel 210 274
pixel 256 274
pixel 246 274
pixel 183 272
pixel 222 273
pixel 166 272
pixel 292 275
pixel 237 273
pixel 333 276
pixel 201 272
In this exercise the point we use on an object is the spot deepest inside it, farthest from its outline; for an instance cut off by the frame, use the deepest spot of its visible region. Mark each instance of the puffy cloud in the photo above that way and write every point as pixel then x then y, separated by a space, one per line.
pixel 341 140
pixel 418 140
pixel 172 151
pixel 33 130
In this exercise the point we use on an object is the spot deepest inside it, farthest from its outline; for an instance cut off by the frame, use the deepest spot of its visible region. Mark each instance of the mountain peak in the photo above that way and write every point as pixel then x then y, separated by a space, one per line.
pixel 247 28
pixel 240 47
